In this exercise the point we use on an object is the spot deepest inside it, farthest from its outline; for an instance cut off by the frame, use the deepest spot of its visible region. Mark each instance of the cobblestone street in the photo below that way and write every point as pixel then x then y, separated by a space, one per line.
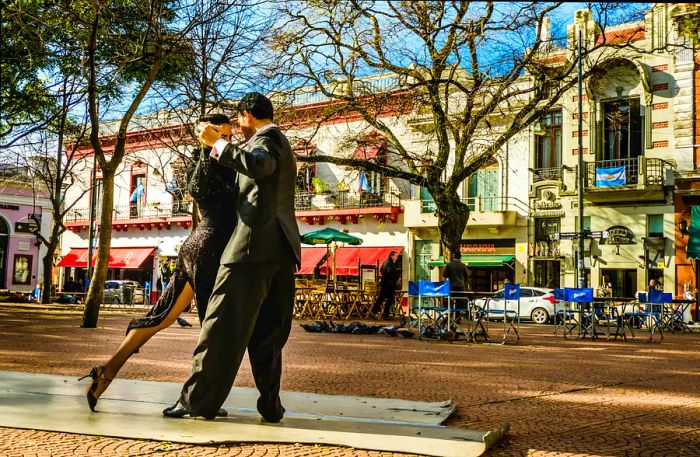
pixel 561 397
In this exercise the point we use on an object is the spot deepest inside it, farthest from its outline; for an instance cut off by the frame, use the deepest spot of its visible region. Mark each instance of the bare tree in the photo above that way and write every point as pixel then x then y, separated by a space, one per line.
pixel 468 75
pixel 58 171
pixel 228 56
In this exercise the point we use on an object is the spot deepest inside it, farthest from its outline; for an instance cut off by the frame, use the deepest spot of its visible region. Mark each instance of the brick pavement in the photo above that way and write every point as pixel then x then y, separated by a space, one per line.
pixel 561 397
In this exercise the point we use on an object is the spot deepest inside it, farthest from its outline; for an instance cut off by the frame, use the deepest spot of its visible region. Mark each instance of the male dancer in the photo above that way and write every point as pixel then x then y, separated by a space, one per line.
pixel 253 297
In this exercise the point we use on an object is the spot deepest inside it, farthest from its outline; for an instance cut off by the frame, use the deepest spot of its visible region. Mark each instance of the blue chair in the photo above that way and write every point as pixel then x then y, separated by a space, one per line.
pixel 574 315
pixel 436 317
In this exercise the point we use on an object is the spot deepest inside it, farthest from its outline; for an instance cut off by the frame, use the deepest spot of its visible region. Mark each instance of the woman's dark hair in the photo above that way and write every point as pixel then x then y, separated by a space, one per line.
pixel 216 119
pixel 255 103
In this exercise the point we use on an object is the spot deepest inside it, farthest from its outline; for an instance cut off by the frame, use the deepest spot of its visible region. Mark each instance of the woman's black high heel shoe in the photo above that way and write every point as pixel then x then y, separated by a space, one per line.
pixel 98 385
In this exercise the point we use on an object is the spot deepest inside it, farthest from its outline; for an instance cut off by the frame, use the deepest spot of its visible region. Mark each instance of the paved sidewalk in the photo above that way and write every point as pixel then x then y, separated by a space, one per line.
pixel 561 397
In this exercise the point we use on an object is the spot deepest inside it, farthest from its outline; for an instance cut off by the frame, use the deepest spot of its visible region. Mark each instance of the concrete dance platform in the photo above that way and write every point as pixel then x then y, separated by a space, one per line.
pixel 132 409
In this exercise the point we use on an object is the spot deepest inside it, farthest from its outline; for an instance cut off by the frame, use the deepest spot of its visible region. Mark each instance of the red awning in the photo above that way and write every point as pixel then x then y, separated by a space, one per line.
pixel 310 257
pixel 347 258
pixel 118 257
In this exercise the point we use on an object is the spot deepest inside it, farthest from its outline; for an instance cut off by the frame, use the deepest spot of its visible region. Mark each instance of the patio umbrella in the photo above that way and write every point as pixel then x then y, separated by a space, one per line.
pixel 327 236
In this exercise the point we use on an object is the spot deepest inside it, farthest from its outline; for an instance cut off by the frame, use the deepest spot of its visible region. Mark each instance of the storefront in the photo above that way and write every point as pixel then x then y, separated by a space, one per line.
pixel 490 263
pixel 20 256
pixel 135 264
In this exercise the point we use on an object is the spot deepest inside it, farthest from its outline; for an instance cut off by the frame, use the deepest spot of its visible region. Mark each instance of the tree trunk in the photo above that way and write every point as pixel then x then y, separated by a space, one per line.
pixel 453 215
pixel 47 263
pixel 99 273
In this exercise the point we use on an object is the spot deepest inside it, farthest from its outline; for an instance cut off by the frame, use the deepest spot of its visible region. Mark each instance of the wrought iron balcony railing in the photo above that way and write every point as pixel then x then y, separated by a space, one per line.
pixel 546 174
pixel 621 173
pixel 122 213
pixel 308 201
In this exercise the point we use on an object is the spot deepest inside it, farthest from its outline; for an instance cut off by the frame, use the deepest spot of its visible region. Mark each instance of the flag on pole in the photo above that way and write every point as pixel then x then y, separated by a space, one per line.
pixel 139 191
pixel 364 183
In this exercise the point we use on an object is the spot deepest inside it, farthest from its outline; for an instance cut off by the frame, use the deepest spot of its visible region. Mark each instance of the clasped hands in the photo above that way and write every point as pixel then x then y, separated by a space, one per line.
pixel 210 134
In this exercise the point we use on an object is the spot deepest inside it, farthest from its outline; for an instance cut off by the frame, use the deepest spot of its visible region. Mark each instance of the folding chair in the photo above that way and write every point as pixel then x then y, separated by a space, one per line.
pixel 436 318
pixel 575 316
pixel 511 317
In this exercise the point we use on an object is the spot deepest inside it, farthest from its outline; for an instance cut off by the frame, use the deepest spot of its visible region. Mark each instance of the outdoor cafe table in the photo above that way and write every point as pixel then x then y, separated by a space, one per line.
pixel 594 318
pixel 676 314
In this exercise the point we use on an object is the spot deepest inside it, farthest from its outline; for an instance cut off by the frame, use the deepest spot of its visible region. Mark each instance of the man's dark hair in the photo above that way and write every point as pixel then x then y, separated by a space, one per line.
pixel 457 255
pixel 255 103
pixel 215 118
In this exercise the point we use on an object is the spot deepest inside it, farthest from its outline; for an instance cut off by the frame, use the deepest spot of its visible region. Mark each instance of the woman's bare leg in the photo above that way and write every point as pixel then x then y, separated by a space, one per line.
pixel 137 337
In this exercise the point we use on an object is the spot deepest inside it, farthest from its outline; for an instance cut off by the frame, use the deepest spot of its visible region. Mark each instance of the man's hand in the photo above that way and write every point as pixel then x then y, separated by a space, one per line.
pixel 209 135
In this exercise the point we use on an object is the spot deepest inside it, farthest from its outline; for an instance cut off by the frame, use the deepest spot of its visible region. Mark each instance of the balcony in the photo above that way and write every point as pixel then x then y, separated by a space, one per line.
pixel 346 206
pixel 141 217
pixel 633 179
pixel 546 174
pixel 484 211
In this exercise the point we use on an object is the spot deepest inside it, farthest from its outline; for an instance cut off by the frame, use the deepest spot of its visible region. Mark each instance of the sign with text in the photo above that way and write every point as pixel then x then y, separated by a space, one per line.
pixel 25 227
pixel 619 234
pixel 511 291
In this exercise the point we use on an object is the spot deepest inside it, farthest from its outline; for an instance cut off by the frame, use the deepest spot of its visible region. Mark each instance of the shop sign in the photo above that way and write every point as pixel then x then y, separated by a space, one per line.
pixel 477 248
pixel 26 227
pixel 502 246
pixel 619 234
pixel 8 206
pixel 548 201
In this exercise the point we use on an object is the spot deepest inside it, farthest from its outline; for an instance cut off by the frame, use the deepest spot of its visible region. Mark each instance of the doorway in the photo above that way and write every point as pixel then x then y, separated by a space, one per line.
pixel 623 281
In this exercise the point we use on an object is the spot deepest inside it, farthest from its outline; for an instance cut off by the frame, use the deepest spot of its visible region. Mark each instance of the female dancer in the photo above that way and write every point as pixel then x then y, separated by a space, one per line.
pixel 197 265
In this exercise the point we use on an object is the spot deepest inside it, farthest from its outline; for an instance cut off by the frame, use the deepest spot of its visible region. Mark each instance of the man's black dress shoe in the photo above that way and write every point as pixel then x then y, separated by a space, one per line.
pixel 178 411
pixel 271 411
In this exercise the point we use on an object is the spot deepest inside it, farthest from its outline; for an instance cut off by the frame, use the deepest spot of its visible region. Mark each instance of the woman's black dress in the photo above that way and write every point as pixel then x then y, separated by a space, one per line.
pixel 198 259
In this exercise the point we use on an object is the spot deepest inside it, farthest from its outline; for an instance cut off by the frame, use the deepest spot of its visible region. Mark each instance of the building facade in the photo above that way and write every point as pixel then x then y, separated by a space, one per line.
pixel 21 252
pixel 640 152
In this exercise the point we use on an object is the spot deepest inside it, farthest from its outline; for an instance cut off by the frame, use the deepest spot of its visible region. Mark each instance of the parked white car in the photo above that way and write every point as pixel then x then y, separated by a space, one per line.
pixel 536 304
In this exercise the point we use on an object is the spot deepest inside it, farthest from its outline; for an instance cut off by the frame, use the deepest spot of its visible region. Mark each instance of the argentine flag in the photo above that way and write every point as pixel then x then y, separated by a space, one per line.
pixel 139 191
pixel 364 183
pixel 610 177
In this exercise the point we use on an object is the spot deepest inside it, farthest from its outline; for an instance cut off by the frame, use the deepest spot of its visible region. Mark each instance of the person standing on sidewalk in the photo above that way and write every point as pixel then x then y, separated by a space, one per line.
pixel 387 287
pixel 457 273
pixel 252 302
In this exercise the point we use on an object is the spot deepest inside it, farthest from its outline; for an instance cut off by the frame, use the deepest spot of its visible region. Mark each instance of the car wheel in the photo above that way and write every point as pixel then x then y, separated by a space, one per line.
pixel 539 316
pixel 115 300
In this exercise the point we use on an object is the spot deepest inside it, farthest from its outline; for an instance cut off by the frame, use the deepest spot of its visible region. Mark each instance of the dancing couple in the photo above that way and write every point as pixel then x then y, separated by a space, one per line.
pixel 238 264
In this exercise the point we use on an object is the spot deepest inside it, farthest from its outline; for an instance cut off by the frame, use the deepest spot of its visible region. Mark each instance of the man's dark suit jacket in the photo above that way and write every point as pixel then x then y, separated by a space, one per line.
pixel 456 272
pixel 266 184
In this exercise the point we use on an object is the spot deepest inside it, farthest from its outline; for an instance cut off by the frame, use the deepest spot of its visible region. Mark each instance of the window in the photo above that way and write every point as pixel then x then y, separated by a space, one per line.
pixel 305 176
pixel 484 185
pixel 655 225
pixel 177 186
pixel 545 246
pixel 546 227
pixel 137 198
pixel 427 202
pixel 586 223
pixel 622 125
pixel 548 145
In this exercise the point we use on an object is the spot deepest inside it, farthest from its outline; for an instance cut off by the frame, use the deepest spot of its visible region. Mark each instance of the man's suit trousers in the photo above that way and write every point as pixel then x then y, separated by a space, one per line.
pixel 251 307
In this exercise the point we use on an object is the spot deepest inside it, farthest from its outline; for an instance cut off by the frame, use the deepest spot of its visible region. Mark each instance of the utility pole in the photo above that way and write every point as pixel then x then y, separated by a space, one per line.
pixel 581 171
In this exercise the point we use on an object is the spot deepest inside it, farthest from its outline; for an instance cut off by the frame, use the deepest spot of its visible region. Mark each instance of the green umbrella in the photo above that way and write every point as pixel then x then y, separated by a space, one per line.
pixel 327 236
